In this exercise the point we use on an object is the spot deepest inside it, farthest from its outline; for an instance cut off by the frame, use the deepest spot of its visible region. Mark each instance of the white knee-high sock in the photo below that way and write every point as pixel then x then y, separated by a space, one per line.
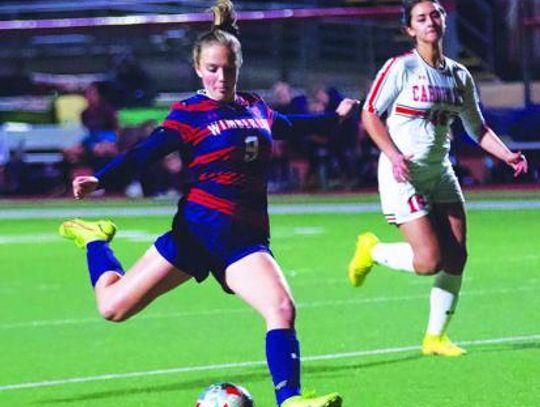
pixel 397 256
pixel 443 302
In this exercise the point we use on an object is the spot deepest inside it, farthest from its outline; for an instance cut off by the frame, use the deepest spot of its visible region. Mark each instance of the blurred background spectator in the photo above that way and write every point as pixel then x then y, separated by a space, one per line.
pixel 138 66
pixel 131 85
pixel 317 160
pixel 4 159
pixel 99 144
pixel 164 179
pixel 289 166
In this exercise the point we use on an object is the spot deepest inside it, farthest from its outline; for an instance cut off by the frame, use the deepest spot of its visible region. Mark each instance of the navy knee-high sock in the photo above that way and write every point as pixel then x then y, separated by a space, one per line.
pixel 283 358
pixel 100 259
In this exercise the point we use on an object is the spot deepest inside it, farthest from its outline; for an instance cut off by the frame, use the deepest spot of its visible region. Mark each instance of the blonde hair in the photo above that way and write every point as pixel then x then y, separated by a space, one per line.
pixel 224 31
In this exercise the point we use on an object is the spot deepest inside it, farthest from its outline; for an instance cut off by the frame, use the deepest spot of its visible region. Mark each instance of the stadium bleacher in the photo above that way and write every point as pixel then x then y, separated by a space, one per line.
pixel 343 50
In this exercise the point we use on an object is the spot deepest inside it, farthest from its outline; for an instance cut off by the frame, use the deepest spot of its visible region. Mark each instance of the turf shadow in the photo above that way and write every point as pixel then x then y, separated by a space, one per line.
pixel 199 384
pixel 183 385
pixel 311 369
pixel 506 347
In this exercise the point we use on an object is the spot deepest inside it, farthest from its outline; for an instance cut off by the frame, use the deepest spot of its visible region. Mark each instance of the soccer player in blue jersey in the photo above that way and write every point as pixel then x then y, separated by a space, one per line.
pixel 221 227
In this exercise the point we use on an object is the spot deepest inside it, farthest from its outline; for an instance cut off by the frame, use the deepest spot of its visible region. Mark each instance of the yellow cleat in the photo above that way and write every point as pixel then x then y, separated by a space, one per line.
pixel 83 232
pixel 362 261
pixel 441 345
pixel 329 400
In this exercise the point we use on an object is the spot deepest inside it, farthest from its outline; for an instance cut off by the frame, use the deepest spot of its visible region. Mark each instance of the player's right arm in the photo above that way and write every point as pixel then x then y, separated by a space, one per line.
pixel 125 166
pixel 384 91
pixel 290 126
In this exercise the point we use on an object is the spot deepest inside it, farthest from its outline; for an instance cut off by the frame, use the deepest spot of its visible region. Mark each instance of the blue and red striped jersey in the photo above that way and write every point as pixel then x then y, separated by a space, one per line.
pixel 226 153
pixel 225 150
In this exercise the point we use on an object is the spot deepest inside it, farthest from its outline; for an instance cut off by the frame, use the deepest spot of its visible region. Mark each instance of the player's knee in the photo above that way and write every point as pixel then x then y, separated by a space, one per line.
pixel 288 310
pixel 113 311
pixel 427 264
pixel 112 315
pixel 285 311
pixel 455 263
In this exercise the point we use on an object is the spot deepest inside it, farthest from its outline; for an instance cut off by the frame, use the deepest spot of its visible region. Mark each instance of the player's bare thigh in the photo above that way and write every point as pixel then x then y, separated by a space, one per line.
pixel 422 236
pixel 451 225
pixel 439 239
pixel 152 275
pixel 259 281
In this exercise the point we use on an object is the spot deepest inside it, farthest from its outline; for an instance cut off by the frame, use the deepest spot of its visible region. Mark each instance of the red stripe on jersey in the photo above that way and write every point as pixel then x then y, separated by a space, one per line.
pixel 194 137
pixel 200 136
pixel 223 178
pixel 183 129
pixel 202 106
pixel 228 178
pixel 410 111
pixel 378 85
pixel 178 106
pixel 222 154
pixel 210 201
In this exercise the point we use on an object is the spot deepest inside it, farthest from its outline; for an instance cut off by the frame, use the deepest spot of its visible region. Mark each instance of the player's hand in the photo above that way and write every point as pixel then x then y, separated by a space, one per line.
pixel 518 162
pixel 400 167
pixel 346 108
pixel 82 186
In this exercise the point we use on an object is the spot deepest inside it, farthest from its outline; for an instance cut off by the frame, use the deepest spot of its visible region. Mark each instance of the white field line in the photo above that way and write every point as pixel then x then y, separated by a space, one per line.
pixel 236 365
pixel 144 236
pixel 276 209
pixel 33 238
pixel 225 311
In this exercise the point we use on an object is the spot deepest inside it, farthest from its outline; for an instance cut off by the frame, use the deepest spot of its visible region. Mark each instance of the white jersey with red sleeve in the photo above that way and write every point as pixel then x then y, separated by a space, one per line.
pixel 421 102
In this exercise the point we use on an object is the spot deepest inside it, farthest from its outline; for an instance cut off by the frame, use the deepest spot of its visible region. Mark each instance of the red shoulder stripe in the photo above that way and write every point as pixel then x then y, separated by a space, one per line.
pixel 378 85
pixel 201 106
pixel 184 130
pixel 178 106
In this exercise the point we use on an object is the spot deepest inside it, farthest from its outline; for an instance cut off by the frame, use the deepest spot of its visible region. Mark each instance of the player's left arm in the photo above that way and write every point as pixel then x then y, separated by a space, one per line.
pixel 475 125
pixel 491 143
pixel 158 144
pixel 125 166
pixel 292 125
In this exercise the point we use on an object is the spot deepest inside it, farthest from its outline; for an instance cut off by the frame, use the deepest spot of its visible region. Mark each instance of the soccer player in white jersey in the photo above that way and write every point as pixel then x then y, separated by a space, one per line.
pixel 421 93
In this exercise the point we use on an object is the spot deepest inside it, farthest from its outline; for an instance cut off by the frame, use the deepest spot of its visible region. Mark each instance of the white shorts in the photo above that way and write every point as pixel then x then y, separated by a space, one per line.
pixel 406 201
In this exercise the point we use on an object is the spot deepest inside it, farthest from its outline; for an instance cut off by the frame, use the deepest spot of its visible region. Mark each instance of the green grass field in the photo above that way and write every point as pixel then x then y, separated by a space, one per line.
pixel 364 343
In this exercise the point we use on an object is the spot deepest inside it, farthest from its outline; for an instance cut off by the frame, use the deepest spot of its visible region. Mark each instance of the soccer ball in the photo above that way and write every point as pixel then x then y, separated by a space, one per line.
pixel 225 395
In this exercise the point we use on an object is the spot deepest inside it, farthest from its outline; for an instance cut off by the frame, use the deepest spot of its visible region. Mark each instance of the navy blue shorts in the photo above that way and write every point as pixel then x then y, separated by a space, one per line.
pixel 191 257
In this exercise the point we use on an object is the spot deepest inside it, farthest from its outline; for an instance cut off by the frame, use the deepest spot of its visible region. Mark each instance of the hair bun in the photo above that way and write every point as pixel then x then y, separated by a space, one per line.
pixel 230 28
pixel 225 17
